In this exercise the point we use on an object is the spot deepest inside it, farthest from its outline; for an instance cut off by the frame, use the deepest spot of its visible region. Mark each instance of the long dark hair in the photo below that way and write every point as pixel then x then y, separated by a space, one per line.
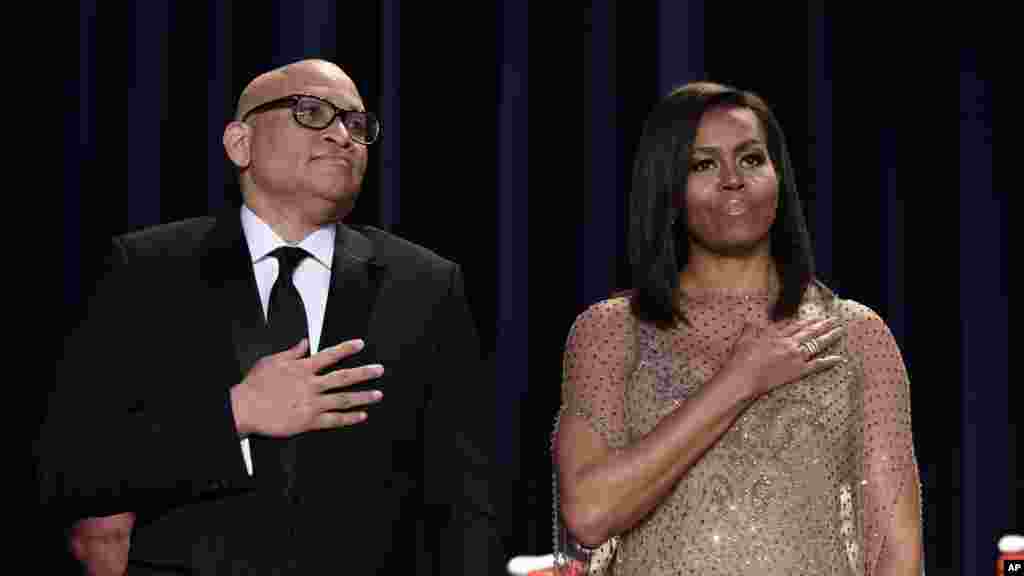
pixel 658 236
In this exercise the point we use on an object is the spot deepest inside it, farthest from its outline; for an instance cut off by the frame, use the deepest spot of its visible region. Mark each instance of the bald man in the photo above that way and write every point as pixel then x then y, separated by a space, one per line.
pixel 191 434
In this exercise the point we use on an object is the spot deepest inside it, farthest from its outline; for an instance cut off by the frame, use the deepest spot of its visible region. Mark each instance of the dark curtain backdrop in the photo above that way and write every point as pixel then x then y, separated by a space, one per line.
pixel 485 106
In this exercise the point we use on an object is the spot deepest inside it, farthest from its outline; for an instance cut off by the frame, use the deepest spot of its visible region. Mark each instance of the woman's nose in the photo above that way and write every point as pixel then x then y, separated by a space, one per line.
pixel 729 177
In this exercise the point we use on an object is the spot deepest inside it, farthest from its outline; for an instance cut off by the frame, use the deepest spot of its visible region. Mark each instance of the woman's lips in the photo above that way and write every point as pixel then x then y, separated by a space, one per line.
pixel 735 206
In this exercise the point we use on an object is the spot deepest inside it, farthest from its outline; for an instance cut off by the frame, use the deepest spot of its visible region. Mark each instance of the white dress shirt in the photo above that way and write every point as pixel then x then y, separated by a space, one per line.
pixel 312 277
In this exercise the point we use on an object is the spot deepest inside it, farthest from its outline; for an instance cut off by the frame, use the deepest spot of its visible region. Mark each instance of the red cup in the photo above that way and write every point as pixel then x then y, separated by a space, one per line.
pixel 1011 556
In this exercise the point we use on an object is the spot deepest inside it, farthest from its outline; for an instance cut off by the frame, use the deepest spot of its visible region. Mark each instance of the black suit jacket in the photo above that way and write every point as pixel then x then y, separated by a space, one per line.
pixel 141 418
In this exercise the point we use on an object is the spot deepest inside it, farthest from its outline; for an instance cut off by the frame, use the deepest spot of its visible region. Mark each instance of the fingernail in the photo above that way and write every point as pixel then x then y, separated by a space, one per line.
pixel 377 394
pixel 377 369
pixel 359 344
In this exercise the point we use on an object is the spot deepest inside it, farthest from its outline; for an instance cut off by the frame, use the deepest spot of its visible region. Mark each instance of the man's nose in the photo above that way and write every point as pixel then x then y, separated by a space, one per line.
pixel 338 133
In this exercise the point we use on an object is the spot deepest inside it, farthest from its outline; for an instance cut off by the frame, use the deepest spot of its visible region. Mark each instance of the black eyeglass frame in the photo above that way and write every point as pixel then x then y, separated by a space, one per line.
pixel 292 101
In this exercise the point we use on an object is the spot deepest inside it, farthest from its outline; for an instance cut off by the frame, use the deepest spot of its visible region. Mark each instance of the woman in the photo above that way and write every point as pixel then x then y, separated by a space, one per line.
pixel 731 415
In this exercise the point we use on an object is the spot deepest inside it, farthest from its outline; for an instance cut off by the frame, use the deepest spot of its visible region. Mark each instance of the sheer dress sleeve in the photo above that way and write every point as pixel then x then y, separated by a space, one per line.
pixel 889 464
pixel 599 354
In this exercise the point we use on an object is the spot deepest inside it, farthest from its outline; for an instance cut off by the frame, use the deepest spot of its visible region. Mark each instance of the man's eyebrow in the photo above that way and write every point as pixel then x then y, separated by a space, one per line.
pixel 741 146
pixel 348 105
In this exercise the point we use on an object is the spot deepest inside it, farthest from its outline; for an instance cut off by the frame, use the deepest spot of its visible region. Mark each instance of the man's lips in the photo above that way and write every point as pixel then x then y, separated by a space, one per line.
pixel 335 159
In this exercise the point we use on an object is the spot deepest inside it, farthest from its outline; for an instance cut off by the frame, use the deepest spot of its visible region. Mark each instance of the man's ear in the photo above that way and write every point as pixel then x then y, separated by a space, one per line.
pixel 237 143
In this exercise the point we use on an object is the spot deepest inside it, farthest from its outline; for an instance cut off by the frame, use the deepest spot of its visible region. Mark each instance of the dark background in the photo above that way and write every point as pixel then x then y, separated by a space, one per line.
pixel 495 104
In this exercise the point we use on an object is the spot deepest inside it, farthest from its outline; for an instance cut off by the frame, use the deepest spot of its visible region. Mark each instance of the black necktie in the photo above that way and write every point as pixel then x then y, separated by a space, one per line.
pixel 286 325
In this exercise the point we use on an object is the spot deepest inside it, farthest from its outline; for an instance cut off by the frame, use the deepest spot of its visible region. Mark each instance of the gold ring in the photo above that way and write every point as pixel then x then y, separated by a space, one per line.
pixel 811 347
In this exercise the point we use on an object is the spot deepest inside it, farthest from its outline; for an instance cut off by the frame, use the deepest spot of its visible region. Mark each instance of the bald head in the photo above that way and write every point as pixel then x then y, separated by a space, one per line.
pixel 294 177
pixel 294 78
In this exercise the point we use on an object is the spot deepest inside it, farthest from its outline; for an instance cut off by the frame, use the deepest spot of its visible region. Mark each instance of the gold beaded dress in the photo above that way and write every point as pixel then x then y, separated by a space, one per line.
pixel 803 482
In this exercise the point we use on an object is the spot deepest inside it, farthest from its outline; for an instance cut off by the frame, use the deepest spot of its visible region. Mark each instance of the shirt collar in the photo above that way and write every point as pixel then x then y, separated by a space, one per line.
pixel 262 240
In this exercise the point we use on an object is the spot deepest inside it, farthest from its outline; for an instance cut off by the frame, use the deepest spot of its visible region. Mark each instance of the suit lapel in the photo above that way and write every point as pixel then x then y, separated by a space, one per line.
pixel 228 273
pixel 355 277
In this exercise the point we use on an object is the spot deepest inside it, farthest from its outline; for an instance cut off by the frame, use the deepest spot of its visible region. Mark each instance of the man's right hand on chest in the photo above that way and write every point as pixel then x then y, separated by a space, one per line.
pixel 283 395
